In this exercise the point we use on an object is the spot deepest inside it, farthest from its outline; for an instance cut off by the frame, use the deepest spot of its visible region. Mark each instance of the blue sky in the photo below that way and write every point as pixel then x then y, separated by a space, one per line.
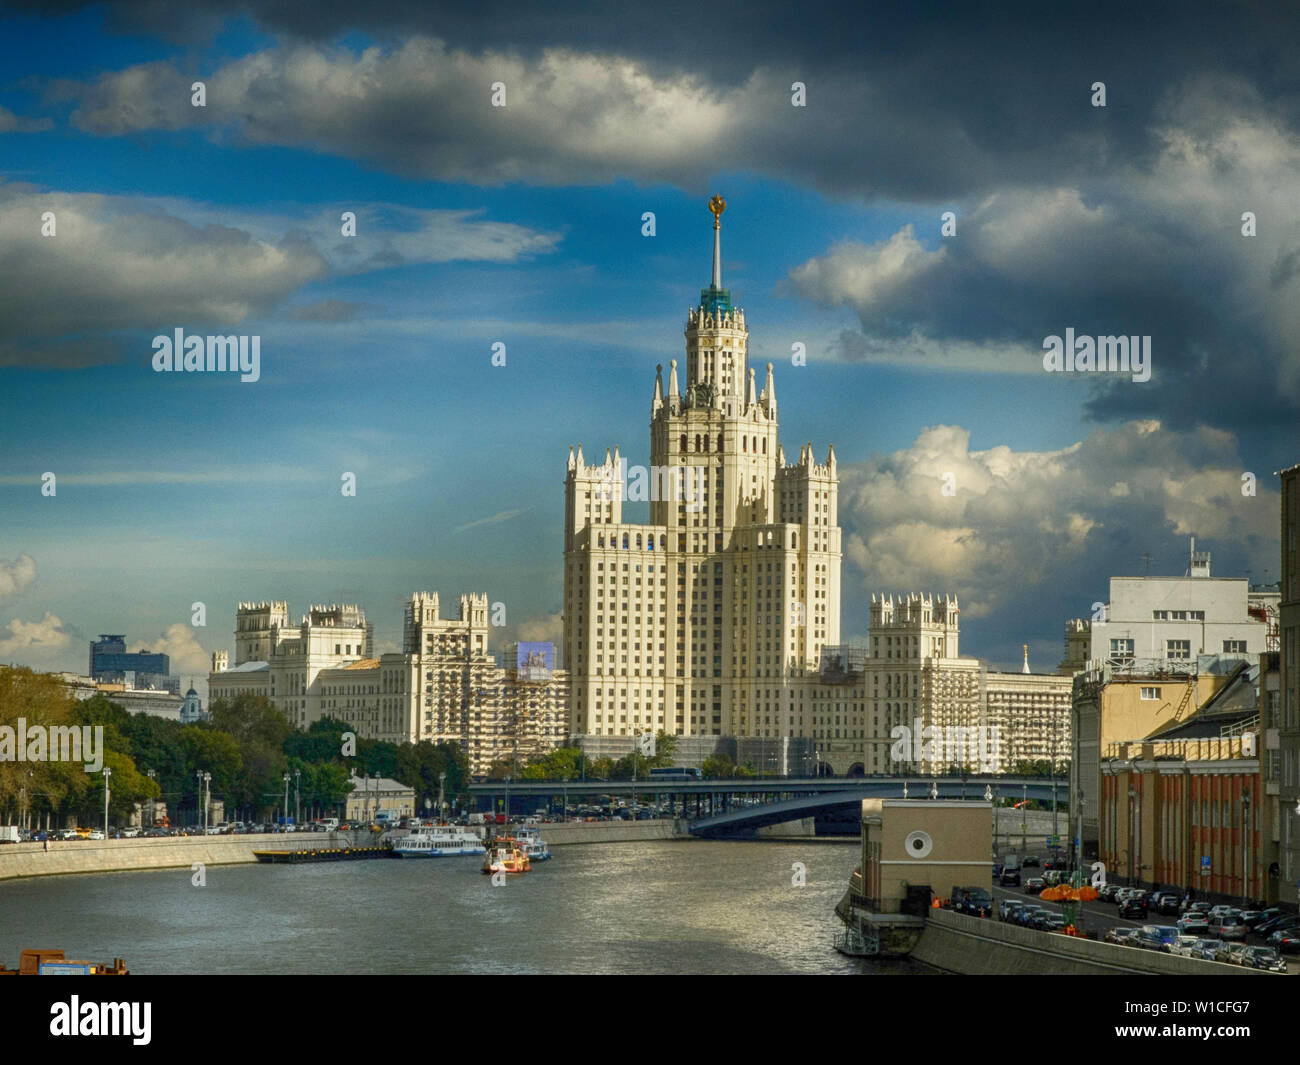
pixel 924 351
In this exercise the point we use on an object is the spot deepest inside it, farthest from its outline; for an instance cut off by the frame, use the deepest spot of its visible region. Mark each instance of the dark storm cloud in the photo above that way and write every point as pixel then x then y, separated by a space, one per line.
pixel 915 105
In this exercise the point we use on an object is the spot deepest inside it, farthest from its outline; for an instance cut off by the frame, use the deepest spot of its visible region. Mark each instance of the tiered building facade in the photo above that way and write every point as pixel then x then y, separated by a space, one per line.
pixel 443 686
pixel 719 620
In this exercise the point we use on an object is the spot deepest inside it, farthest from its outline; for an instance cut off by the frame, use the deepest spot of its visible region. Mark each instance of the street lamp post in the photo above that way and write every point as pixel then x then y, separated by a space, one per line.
pixel 198 801
pixel 988 798
pixel 284 810
pixel 107 773
pixel 207 798
pixel 297 795
pixel 153 802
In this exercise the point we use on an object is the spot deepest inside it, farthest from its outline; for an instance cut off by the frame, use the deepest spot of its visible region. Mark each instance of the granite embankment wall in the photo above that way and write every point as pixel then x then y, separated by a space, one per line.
pixel 122 855
pixel 611 832
pixel 119 855
pixel 976 946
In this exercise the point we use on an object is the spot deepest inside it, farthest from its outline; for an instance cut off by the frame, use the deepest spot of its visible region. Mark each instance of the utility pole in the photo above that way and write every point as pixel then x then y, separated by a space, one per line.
pixel 297 796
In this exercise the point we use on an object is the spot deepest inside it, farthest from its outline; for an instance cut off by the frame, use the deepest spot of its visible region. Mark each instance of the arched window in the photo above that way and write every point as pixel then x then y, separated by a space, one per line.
pixel 638 541
pixel 719 443
pixel 625 541
pixel 697 441
pixel 744 443
pixel 600 540
pixel 706 442
pixel 683 441
pixel 764 445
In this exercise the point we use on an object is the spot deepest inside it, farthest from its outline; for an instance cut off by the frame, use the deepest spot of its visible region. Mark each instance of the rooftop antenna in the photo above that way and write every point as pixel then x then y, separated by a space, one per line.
pixel 1146 564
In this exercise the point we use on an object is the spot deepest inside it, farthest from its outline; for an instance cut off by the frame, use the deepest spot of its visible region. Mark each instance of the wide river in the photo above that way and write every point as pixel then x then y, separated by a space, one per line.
pixel 655 907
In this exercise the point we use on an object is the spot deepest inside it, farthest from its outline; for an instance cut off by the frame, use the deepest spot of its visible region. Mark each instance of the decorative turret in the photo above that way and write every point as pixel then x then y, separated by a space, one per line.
pixel 657 401
pixel 769 394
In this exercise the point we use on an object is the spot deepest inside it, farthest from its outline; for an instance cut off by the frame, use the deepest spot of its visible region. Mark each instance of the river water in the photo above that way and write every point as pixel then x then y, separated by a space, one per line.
pixel 698 907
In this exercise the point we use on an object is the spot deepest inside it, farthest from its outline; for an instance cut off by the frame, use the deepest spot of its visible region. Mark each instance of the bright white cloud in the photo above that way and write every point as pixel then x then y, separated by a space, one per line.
pixel 1016 520
pixel 31 643
pixel 16 576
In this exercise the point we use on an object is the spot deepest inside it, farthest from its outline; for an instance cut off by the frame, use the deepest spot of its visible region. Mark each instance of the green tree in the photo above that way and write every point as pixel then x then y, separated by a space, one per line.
pixel 717 767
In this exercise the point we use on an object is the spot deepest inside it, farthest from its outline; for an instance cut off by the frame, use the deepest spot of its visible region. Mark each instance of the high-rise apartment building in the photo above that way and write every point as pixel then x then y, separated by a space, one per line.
pixel 710 619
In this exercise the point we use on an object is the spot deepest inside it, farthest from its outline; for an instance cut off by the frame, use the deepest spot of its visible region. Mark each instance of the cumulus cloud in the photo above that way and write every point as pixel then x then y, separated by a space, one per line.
pixel 1016 526
pixel 33 642
pixel 182 647
pixel 16 576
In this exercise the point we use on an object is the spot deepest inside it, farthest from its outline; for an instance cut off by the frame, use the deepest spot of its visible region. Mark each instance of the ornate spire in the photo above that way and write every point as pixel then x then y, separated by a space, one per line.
pixel 658 400
pixel 769 392
pixel 715 299
pixel 717 205
pixel 751 398
pixel 673 391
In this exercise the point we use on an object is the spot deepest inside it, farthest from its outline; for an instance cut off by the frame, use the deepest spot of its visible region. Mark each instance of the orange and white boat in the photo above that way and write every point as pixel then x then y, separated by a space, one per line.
pixel 506 856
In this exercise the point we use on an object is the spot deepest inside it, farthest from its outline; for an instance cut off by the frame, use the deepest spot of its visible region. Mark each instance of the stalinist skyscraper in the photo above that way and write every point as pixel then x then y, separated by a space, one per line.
pixel 711 620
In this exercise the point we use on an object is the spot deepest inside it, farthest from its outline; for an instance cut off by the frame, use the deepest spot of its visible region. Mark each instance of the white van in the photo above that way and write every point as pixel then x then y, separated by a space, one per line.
pixel 331 823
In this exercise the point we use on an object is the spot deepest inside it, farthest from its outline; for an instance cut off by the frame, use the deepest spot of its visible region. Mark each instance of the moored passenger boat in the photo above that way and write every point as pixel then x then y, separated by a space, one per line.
pixel 438 841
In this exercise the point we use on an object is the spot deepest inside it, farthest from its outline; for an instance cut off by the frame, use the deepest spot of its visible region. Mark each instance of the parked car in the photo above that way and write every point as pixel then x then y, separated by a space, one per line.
pixel 1120 936
pixel 1168 903
pixel 1233 954
pixel 1250 918
pixel 1271 914
pixel 1264 958
pixel 1286 940
pixel 1275 924
pixel 1107 893
pixel 1006 906
pixel 1185 947
pixel 1133 907
pixel 1054 922
pixel 1209 948
pixel 1227 925
pixel 1034 885
pixel 94 833
pixel 1192 925
pixel 1159 937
